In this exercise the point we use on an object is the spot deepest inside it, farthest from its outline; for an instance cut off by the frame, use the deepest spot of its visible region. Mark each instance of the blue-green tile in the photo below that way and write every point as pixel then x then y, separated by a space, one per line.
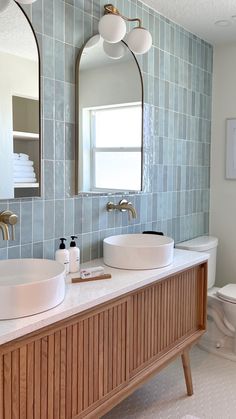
pixel 49 220
pixel 48 14
pixel 48 139
pixel 59 51
pixel 26 222
pixel 38 220
pixel 59 19
pixel 69 24
pixel 48 98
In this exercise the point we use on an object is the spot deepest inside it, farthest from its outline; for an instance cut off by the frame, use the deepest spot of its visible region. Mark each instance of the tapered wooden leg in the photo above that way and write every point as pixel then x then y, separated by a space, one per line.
pixel 187 372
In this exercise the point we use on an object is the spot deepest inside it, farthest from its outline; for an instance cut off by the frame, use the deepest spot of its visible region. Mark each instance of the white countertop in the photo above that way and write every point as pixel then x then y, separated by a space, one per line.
pixel 80 297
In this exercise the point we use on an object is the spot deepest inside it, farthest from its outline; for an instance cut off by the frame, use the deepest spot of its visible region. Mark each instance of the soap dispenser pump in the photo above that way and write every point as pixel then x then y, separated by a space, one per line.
pixel 62 255
pixel 74 254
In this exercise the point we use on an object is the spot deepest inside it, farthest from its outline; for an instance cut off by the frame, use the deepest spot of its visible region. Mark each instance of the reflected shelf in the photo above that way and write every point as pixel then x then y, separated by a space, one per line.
pixel 25 135
pixel 26 185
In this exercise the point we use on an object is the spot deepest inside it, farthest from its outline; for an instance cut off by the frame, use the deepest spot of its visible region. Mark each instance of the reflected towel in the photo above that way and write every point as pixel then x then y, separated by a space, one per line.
pixel 21 156
pixel 25 180
pixel 17 163
pixel 25 175
pixel 22 174
pixel 24 156
pixel 23 169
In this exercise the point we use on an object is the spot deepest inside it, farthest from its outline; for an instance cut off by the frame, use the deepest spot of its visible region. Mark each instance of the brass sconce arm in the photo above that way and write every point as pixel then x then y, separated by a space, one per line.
pixel 109 8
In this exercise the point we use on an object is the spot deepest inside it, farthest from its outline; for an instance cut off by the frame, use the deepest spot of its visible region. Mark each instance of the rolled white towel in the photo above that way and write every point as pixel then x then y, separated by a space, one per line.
pixel 23 169
pixel 24 156
pixel 25 175
pixel 21 156
pixel 22 175
pixel 23 163
pixel 25 180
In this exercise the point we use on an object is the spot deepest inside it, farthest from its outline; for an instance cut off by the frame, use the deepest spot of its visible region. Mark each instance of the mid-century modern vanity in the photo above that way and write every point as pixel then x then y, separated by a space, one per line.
pixel 107 338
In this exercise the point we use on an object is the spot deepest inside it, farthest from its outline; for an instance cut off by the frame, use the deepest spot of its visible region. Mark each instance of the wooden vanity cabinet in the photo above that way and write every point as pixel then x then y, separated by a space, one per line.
pixel 83 366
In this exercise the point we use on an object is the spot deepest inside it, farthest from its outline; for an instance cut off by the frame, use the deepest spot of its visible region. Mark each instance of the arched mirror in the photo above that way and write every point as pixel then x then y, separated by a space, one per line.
pixel 19 106
pixel 109 108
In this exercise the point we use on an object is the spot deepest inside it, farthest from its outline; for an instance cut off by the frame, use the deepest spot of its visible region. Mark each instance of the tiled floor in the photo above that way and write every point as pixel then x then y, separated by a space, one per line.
pixel 164 397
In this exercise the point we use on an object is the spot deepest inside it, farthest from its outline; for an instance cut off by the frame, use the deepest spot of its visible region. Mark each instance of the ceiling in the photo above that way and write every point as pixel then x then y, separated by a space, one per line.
pixel 199 17
pixel 16 36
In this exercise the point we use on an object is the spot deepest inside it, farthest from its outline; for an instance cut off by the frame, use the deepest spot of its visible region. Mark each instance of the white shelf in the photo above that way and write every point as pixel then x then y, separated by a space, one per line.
pixel 26 185
pixel 25 135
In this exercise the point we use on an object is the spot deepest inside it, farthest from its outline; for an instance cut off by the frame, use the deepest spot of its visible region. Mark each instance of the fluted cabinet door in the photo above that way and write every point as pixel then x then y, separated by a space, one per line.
pixel 163 315
pixel 68 372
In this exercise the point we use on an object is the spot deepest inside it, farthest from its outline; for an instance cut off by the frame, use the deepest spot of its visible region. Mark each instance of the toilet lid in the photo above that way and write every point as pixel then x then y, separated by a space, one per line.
pixel 228 293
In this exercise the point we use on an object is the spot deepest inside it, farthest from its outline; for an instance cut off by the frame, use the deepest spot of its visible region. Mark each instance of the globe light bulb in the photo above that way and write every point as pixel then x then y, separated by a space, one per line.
pixel 112 28
pixel 114 51
pixel 139 40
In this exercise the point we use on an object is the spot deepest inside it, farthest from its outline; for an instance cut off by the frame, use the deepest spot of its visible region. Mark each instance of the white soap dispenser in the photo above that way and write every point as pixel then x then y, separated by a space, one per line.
pixel 74 253
pixel 62 255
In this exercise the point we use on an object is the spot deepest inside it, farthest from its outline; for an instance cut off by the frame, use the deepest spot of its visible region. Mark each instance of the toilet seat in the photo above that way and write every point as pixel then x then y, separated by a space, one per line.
pixel 228 293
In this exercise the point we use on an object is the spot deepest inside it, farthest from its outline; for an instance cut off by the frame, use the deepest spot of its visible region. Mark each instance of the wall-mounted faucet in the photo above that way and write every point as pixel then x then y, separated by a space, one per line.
pixel 7 218
pixel 123 206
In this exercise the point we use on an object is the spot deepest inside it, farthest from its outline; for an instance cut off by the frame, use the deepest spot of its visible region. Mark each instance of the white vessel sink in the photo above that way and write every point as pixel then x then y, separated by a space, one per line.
pixel 138 251
pixel 30 286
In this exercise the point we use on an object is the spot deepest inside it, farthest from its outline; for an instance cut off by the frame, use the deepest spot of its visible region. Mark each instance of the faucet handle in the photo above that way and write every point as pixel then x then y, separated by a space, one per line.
pixel 8 217
pixel 110 206
pixel 122 204
pixel 11 219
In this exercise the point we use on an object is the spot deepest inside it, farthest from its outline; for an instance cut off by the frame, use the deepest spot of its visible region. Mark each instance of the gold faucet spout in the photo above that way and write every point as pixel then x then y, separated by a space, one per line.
pixel 129 207
pixel 123 206
pixel 5 231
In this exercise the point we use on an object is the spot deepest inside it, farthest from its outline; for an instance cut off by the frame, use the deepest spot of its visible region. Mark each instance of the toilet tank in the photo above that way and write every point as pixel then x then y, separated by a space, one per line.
pixel 205 244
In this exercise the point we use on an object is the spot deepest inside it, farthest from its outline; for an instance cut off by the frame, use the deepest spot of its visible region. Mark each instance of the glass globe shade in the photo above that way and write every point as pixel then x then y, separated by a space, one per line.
pixel 4 5
pixel 114 51
pixel 93 42
pixel 139 40
pixel 112 28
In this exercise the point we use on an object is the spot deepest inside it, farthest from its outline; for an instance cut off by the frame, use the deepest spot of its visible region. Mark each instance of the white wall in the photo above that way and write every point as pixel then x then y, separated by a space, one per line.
pixel 18 77
pixel 110 85
pixel 223 192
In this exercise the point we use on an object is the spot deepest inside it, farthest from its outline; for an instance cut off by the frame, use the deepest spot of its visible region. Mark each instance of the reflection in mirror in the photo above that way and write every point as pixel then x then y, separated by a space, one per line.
pixel 109 111
pixel 19 106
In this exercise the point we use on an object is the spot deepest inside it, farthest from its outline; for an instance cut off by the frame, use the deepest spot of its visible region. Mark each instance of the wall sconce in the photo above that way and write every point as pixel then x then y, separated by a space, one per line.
pixel 112 29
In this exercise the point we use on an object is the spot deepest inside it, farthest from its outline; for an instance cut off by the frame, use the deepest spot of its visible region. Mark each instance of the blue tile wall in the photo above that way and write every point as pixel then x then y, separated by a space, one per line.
pixel 177 76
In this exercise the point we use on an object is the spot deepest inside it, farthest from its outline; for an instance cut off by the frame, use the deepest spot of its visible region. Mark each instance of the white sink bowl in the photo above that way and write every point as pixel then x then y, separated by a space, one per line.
pixel 138 251
pixel 30 286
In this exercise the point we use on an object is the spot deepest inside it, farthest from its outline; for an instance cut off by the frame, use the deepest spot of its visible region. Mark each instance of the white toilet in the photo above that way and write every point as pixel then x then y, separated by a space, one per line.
pixel 221 325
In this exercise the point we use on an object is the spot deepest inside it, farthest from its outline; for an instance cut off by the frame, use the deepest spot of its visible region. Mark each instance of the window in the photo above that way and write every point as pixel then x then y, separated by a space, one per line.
pixel 116 160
